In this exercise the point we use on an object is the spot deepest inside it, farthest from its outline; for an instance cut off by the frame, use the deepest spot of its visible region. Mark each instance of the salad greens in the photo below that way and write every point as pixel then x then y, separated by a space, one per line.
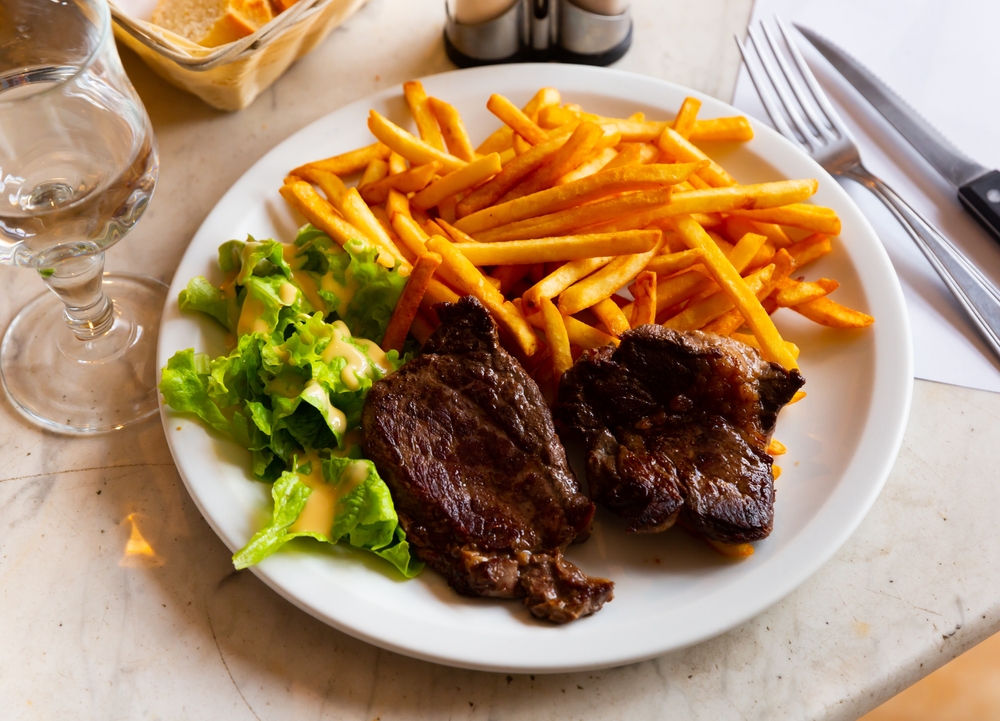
pixel 306 318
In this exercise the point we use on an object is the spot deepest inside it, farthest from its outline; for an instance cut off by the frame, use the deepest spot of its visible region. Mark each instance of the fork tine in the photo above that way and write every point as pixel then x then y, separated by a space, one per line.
pixel 819 126
pixel 757 77
pixel 806 134
pixel 817 92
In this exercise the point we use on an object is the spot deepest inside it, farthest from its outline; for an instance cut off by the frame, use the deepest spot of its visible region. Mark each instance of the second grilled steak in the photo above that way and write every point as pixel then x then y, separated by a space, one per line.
pixel 677 426
pixel 466 443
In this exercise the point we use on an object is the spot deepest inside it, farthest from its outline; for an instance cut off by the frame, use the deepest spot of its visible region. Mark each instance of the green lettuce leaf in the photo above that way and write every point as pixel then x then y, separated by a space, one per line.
pixel 184 385
pixel 200 295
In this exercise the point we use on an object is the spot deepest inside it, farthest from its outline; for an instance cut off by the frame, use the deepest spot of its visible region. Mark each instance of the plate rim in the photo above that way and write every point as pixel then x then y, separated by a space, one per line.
pixel 900 396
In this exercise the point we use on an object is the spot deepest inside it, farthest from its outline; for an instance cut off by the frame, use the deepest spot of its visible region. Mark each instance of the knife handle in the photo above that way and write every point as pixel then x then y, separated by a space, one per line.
pixel 981 197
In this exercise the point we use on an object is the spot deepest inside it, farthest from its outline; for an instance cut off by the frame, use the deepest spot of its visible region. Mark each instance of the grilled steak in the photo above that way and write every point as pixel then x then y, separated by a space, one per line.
pixel 676 426
pixel 465 441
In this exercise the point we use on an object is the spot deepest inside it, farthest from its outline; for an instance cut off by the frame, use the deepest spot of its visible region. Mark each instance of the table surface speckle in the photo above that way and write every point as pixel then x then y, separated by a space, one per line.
pixel 89 632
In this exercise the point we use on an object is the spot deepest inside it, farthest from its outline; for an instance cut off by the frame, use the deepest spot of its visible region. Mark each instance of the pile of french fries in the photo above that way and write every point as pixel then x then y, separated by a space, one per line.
pixel 559 210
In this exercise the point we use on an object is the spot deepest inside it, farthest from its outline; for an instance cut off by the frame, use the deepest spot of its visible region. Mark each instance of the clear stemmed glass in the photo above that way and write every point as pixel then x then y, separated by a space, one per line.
pixel 78 163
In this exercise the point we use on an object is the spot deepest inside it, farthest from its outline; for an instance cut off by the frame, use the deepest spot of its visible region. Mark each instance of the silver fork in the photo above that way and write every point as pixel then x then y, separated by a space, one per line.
pixel 821 133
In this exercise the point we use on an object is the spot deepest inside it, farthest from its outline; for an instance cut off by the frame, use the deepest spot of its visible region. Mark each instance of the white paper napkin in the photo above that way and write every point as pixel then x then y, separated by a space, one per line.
pixel 942 58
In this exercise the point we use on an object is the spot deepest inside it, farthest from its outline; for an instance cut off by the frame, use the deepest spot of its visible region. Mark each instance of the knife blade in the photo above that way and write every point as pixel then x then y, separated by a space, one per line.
pixel 978 186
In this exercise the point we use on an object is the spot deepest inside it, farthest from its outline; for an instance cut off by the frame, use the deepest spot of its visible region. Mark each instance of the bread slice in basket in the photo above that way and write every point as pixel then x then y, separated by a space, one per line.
pixel 212 22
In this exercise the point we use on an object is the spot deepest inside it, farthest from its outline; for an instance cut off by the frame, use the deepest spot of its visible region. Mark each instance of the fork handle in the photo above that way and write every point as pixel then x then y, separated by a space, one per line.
pixel 978 296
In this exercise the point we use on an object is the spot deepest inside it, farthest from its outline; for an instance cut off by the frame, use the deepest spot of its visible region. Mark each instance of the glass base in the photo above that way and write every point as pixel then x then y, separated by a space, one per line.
pixel 71 386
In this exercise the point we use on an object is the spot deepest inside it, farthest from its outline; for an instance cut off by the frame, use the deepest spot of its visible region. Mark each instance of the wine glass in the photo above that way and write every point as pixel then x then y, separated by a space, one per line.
pixel 78 163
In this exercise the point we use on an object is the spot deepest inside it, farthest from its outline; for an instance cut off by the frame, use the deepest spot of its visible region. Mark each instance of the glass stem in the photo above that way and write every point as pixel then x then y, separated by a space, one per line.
pixel 77 280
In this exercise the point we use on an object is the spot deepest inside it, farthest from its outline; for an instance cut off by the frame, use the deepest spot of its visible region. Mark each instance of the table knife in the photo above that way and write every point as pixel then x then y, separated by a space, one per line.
pixel 978 187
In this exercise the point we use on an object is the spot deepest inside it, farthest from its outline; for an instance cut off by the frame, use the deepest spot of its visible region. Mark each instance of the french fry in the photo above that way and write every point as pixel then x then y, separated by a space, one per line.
pixel 683 151
pixel 568 247
pixel 739 198
pixel 455 234
pixel 708 309
pixel 521 146
pixel 512 174
pixel 729 280
pixel 453 129
pixel 735 128
pixel 510 275
pixel 409 301
pixel 471 175
pixel 799 395
pixel 349 162
pixel 795 292
pixel 427 124
pixel 557 338
pixel 544 98
pixel 570 155
pixel 438 292
pixel 410 234
pixel 410 147
pixel 421 329
pixel 686 116
pixel 580 334
pixel 610 315
pixel 472 282
pixel 814 218
pixel 596 163
pixel 331 185
pixel 446 208
pixel 594 187
pixel 397 202
pixel 397 164
pixel 432 229
pixel 358 214
pixel 516 119
pixel 732 550
pixel 410 181
pixel 628 154
pixel 376 170
pixel 730 321
pixel 604 282
pixel 753 343
pixel 809 249
pixel 736 227
pixel 673 262
pixel 558 280
pixel 506 156
pixel 501 140
pixel 318 211
pixel 644 292
pixel 571 219
pixel 554 117
pixel 832 314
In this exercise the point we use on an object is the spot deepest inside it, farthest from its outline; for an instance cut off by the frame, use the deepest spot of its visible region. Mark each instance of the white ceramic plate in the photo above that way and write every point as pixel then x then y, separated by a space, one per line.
pixel 670 589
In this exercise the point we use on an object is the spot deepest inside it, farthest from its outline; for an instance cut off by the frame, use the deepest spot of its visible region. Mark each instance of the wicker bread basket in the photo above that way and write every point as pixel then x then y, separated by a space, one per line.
pixel 231 76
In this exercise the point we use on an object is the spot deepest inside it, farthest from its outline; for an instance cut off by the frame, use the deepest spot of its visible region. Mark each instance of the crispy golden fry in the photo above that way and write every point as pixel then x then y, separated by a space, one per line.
pixel 510 275
pixel 544 98
pixel 432 229
pixel 557 338
pixel 832 314
pixel 628 154
pixel 516 119
pixel 683 151
pixel 446 208
pixel 501 140
pixel 456 137
pixel 358 214
pixel 561 278
pixel 585 190
pixel 331 185
pixel 602 284
pixel 644 292
pixel 397 164
pixel 736 128
pixel 455 234
pixel 421 329
pixel 568 247
pixel 427 124
pixel 611 316
pixel 410 234
pixel 733 550
pixel 608 139
pixel 580 334
pixel 506 156
pixel 809 249
pixel 729 280
pixel 736 226
pixel 794 292
pixel 347 163
pixel 438 292
pixel 571 219
pixel 476 172
pixel 512 174
pixel 411 181
pixel 397 202
pixel 730 321
pixel 570 155
pixel 764 255
pixel 736 199
pixel 410 147
pixel 521 146
pixel 596 163
pixel 376 170
pixel 704 311
pixel 671 263
pixel 753 342
pixel 409 301
pixel 318 211
pixel 814 218
pixel 799 395
pixel 686 116
pixel 472 282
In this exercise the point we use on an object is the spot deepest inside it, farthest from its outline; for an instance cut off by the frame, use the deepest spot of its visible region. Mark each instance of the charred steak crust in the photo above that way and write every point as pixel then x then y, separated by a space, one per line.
pixel 676 426
pixel 479 477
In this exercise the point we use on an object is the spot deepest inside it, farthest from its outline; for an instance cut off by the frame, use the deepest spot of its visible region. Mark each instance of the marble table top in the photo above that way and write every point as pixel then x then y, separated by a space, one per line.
pixel 91 633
